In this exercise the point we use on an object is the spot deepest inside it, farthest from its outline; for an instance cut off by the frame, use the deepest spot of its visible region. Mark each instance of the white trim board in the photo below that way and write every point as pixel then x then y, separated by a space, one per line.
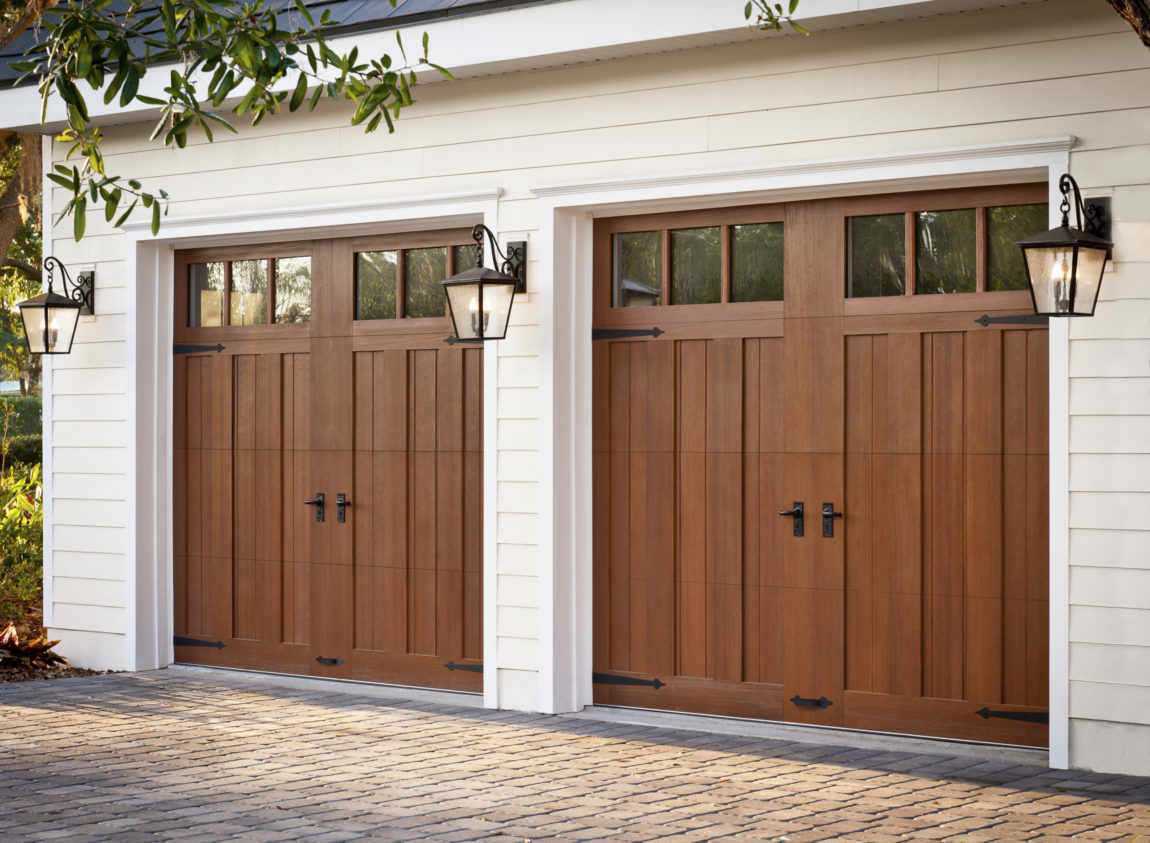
pixel 149 267
pixel 565 361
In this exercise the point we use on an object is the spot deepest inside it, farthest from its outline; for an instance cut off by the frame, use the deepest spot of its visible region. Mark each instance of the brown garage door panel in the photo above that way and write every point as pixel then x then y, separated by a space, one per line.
pixel 943 718
pixel 250 655
pixel 706 696
pixel 419 671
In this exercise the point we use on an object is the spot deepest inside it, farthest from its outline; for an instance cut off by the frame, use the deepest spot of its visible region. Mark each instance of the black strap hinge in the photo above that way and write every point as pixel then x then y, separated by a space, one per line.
pixel 616 679
pixel 624 333
pixel 471 668
pixel 1025 716
pixel 196 349
pixel 181 641
pixel 821 702
pixel 325 660
pixel 1021 319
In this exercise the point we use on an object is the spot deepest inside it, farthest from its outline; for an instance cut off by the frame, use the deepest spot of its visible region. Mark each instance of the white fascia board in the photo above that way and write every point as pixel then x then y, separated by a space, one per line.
pixel 529 37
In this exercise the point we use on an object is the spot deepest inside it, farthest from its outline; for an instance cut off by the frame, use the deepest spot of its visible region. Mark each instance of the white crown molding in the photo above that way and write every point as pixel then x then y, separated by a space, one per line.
pixel 713 179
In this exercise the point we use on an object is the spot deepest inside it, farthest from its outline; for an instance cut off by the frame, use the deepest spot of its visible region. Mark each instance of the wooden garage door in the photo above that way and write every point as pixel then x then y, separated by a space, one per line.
pixel 320 368
pixel 851 383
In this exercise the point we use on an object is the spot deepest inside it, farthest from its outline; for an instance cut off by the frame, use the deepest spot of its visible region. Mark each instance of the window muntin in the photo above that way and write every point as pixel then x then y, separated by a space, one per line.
pixel 236 293
pixel 405 283
pixel 704 264
pixel 963 250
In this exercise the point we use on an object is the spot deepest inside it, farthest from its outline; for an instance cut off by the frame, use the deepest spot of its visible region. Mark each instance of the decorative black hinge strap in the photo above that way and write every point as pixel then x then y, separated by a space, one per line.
pixel 470 668
pixel 324 660
pixel 1021 319
pixel 181 641
pixel 616 679
pixel 452 340
pixel 821 702
pixel 196 349
pixel 1025 716
pixel 624 333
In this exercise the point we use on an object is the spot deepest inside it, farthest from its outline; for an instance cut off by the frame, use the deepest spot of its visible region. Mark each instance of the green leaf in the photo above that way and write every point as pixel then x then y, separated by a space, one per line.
pixel 126 214
pixel 794 5
pixel 65 183
pixel 131 86
pixel 155 219
pixel 79 218
pixel 299 94
pixel 747 11
pixel 134 184
pixel 110 205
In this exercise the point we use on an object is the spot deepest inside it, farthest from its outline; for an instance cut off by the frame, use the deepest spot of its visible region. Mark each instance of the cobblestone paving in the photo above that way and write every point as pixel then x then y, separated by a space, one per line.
pixel 182 756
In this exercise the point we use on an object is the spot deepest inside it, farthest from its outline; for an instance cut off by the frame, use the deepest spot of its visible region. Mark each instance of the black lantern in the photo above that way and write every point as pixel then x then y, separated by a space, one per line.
pixel 1065 265
pixel 479 298
pixel 50 318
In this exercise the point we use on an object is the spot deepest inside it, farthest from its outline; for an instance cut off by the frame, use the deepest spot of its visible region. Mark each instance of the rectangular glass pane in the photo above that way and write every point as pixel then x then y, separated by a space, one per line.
pixel 293 289
pixel 757 262
pixel 206 295
pixel 375 278
pixel 423 270
pixel 1006 225
pixel 876 255
pixel 946 252
pixel 637 269
pixel 696 265
pixel 249 293
pixel 464 258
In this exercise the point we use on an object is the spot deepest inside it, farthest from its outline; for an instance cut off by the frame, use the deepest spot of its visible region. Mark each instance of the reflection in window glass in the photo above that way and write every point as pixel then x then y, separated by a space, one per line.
pixel 293 289
pixel 249 293
pixel 206 295
pixel 1004 226
pixel 423 270
pixel 696 265
pixel 876 255
pixel 946 252
pixel 637 268
pixel 375 279
pixel 757 262
pixel 464 257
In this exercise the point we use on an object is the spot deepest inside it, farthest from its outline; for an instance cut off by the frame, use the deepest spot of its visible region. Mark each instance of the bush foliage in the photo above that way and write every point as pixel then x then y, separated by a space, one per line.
pixel 21 539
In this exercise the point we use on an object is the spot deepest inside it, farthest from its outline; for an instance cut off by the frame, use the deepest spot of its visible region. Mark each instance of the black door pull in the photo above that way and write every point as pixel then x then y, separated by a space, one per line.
pixel 341 505
pixel 795 512
pixel 317 502
pixel 325 660
pixel 829 516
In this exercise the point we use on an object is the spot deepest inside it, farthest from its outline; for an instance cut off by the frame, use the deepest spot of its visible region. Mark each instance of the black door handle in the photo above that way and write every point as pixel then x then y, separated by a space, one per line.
pixel 795 512
pixel 341 505
pixel 829 516
pixel 317 502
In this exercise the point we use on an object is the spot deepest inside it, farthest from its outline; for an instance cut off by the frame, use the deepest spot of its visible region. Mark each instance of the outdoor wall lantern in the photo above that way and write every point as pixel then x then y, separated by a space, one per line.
pixel 1065 265
pixel 480 298
pixel 50 318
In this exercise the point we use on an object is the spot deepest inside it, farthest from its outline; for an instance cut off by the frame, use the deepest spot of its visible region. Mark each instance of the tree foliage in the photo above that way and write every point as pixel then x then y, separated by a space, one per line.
pixel 246 59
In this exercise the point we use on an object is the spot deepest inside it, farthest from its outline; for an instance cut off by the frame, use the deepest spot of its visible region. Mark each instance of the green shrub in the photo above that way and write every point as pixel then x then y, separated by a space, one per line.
pixel 28 450
pixel 26 417
pixel 21 539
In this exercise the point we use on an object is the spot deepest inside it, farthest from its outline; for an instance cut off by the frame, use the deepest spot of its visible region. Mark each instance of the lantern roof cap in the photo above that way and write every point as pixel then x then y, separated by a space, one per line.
pixel 1064 235
pixel 50 299
pixel 480 274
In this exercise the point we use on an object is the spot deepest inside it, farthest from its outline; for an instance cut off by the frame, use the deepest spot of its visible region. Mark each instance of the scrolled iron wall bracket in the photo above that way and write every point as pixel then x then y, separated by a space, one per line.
pixel 82 290
pixel 513 263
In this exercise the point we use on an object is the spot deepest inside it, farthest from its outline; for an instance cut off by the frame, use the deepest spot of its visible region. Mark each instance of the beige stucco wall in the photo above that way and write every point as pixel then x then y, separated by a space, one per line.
pixel 1057 68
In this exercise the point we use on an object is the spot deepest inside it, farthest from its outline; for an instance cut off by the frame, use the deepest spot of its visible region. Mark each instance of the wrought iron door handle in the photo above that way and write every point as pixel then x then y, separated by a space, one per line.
pixel 796 512
pixel 317 502
pixel 829 515
pixel 341 505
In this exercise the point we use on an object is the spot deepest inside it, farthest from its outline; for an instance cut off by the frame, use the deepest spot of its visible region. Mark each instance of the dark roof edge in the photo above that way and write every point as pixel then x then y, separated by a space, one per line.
pixel 432 15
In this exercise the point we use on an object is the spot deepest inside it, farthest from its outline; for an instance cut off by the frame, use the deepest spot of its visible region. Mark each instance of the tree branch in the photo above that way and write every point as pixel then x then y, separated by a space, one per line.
pixel 31 272
pixel 1137 14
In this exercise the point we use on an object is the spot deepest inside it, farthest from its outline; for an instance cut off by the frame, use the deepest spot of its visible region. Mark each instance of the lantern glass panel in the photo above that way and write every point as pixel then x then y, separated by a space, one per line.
pixel 50 329
pixel 1090 265
pixel 1050 268
pixel 473 321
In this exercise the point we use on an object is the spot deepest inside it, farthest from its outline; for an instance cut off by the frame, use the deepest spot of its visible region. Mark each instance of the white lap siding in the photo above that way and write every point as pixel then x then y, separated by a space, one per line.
pixel 1052 69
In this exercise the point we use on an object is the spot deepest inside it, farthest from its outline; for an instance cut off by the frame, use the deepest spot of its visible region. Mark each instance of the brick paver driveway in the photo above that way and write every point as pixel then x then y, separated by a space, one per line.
pixel 173 754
